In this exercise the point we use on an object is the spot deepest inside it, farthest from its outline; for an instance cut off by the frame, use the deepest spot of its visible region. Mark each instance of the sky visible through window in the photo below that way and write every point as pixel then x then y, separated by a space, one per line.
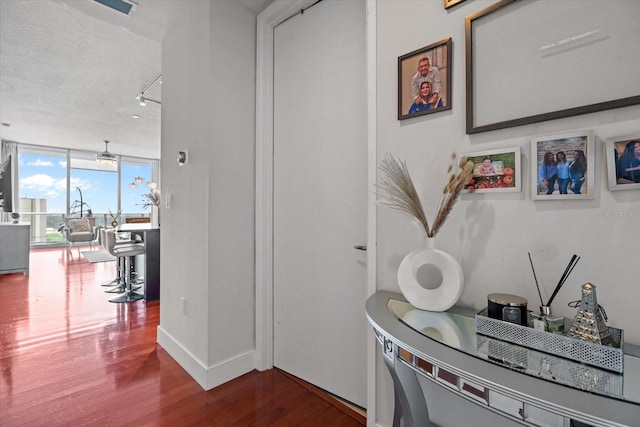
pixel 44 176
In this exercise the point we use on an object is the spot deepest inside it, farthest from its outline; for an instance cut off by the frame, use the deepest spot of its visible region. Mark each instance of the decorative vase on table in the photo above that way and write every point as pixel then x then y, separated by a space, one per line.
pixel 440 298
pixel 401 194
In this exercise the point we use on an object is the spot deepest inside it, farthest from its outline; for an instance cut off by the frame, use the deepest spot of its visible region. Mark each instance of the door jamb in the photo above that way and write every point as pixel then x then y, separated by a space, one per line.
pixel 267 20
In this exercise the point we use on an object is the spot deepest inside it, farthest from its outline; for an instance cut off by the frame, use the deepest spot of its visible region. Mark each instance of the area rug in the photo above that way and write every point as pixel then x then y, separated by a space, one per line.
pixel 98 256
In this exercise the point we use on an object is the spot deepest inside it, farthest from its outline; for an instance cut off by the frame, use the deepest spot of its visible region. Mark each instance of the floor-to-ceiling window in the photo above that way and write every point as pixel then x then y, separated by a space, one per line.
pixel 93 186
pixel 54 183
pixel 137 180
pixel 42 183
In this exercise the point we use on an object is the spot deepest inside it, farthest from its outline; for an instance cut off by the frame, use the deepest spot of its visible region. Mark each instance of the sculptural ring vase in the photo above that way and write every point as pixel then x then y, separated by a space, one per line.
pixel 440 298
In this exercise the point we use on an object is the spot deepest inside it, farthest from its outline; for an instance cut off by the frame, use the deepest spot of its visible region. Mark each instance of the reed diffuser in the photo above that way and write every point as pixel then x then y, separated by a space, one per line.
pixel 545 320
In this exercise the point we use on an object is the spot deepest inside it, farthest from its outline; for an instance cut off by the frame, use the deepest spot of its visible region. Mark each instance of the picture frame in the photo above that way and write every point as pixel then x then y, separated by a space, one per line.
pixel 623 163
pixel 577 171
pixel 502 174
pixel 435 63
pixel 513 50
pixel 451 3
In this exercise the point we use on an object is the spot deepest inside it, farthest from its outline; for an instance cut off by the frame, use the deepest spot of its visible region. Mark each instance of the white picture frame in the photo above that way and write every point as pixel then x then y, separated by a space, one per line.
pixel 615 149
pixel 505 175
pixel 569 144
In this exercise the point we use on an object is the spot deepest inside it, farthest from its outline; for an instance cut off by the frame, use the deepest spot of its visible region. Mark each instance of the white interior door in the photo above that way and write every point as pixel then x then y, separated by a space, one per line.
pixel 320 197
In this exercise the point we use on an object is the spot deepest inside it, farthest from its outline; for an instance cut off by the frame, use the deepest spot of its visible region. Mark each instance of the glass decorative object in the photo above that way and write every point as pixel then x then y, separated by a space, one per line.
pixel 589 324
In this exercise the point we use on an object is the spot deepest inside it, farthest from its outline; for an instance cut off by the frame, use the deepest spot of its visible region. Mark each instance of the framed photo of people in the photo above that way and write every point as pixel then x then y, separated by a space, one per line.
pixel 495 171
pixel 623 163
pixel 424 80
pixel 451 3
pixel 562 166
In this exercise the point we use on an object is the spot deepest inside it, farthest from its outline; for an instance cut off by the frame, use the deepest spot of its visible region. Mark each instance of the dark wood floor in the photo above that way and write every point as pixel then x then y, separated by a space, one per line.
pixel 69 357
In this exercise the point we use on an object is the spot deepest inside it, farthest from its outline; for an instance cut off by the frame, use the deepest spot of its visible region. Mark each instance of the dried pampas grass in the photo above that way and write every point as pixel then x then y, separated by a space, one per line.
pixel 401 194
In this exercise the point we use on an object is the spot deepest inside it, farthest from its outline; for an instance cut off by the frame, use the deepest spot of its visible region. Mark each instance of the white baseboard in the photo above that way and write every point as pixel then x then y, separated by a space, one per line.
pixel 230 369
pixel 207 376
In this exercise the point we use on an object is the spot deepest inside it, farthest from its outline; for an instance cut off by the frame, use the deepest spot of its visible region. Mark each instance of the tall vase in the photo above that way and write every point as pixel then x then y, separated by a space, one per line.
pixel 440 298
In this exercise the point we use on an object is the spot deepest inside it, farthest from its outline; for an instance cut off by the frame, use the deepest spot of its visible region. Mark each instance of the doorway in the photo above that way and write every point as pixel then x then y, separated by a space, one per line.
pixel 320 198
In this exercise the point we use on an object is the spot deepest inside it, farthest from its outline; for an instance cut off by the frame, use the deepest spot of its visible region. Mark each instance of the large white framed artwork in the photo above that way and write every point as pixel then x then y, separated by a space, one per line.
pixel 524 58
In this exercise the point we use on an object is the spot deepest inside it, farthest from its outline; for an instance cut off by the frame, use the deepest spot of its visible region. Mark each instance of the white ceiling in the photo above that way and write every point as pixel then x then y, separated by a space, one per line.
pixel 70 71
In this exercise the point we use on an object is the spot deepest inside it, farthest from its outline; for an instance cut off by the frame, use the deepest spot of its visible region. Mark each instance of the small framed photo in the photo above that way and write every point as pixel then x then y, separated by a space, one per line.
pixel 623 163
pixel 562 166
pixel 451 3
pixel 424 80
pixel 495 171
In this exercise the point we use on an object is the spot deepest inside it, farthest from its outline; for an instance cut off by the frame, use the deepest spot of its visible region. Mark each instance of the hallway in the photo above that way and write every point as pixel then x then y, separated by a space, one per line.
pixel 69 357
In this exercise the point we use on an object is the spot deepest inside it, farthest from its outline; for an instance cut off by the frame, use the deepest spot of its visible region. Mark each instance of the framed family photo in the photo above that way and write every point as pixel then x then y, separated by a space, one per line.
pixel 562 166
pixel 495 171
pixel 623 163
pixel 424 80
pixel 451 3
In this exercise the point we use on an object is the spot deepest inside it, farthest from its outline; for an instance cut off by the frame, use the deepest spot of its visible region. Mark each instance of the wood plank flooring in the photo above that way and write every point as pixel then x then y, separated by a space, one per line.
pixel 69 357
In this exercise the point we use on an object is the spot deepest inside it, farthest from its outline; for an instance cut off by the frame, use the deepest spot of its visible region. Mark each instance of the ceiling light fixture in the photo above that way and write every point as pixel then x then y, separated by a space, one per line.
pixel 106 157
pixel 140 180
pixel 123 6
pixel 142 99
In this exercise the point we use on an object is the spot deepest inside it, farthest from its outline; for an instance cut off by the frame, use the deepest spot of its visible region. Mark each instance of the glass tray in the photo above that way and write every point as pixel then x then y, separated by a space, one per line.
pixel 606 357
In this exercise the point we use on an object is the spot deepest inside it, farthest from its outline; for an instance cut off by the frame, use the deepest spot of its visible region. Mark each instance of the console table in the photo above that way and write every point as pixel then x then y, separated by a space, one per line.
pixel 526 386
pixel 14 247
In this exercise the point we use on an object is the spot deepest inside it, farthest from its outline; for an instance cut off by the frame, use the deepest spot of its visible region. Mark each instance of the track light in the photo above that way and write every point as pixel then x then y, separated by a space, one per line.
pixel 143 99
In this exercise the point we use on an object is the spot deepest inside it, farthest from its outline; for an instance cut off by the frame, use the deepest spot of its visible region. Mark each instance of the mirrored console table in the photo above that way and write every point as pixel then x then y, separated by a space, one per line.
pixel 524 385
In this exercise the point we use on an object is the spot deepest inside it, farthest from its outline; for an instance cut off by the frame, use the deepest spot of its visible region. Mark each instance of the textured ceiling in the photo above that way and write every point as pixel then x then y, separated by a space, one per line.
pixel 70 71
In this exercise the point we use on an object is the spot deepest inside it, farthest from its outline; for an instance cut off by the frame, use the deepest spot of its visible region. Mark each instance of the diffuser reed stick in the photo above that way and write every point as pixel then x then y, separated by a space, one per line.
pixel 567 271
pixel 535 278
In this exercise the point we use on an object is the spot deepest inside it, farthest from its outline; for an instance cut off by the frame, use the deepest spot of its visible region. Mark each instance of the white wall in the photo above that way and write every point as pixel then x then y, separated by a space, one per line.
pixel 490 234
pixel 208 66
pixel 207 235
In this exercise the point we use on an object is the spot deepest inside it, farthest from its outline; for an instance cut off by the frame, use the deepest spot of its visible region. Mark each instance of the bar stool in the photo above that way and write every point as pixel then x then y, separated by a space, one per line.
pixel 117 283
pixel 118 280
pixel 125 252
